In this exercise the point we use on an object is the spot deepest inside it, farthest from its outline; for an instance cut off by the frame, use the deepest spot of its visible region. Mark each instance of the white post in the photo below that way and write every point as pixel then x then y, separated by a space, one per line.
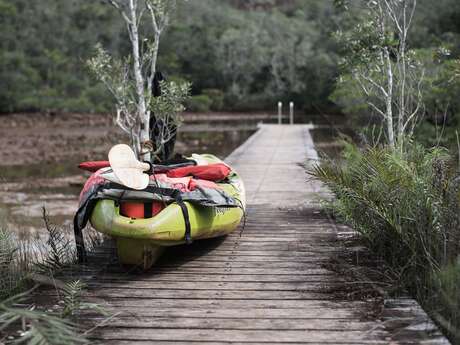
pixel 291 113
pixel 280 113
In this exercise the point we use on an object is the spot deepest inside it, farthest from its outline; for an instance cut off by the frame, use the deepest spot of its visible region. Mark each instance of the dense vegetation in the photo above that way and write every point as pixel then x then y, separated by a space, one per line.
pixel 238 54
pixel 434 43
pixel 406 206
pixel 400 188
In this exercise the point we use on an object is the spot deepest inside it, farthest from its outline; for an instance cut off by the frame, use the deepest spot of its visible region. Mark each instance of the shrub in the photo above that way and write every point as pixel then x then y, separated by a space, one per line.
pixel 406 206
pixel 199 103
pixel 34 262
pixel 217 98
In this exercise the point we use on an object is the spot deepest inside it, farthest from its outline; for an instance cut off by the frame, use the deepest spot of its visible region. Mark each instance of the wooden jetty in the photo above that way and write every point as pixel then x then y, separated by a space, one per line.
pixel 266 284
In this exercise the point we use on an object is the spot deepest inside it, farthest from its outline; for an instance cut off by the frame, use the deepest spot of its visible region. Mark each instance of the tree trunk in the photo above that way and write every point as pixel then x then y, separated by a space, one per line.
pixel 389 100
pixel 141 106
pixel 402 63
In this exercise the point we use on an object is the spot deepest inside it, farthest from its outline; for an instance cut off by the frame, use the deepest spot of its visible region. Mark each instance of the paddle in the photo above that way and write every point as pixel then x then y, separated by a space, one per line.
pixel 127 168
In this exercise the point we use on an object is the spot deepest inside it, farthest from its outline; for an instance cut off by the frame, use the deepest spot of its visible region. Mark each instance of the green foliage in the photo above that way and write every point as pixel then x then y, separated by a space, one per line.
pixel 114 74
pixel 169 105
pixel 217 98
pixel 23 263
pixel 406 205
pixel 275 51
pixel 42 45
pixel 250 50
pixel 72 298
pixel 349 96
pixel 166 110
pixel 20 260
pixel 11 278
pixel 199 103
pixel 441 100
pixel 434 42
pixel 59 251
pixel 41 328
pixel 446 301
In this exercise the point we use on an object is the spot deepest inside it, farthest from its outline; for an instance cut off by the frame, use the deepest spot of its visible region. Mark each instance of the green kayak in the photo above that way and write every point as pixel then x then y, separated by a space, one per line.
pixel 140 241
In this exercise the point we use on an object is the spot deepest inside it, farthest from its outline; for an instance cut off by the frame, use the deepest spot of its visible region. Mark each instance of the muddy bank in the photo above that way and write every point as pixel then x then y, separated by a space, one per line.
pixel 39 154
pixel 43 139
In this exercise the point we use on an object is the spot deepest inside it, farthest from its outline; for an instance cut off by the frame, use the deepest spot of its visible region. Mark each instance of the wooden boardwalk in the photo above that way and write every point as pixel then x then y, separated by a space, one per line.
pixel 268 284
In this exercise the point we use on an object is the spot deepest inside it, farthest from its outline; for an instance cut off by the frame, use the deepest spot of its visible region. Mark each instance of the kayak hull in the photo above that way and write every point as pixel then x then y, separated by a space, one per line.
pixel 141 241
pixel 168 227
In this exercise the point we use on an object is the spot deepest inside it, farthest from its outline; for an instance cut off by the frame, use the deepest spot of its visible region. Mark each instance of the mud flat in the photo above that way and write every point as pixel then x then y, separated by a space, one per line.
pixel 39 154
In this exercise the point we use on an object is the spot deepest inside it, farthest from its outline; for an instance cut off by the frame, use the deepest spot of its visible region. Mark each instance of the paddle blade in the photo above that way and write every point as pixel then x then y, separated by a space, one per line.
pixel 127 168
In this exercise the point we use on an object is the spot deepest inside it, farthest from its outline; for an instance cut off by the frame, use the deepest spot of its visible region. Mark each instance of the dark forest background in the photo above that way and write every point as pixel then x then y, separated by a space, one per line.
pixel 239 54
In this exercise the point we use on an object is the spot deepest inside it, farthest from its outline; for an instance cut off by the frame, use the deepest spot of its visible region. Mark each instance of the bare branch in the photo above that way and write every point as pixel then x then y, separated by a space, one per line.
pixel 393 15
pixel 122 12
pixel 379 111
pixel 153 17
pixel 376 85
pixel 419 103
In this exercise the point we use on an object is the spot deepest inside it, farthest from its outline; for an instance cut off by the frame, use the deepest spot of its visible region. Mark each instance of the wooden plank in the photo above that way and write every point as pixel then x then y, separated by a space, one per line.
pixel 143 342
pixel 187 257
pixel 280 246
pixel 253 271
pixel 184 264
pixel 243 336
pixel 177 275
pixel 239 323
pixel 271 254
pixel 266 238
pixel 194 285
pixel 244 307
pixel 336 342
pixel 212 294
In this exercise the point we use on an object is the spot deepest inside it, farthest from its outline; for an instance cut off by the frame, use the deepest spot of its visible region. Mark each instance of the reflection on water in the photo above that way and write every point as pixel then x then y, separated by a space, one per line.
pixel 219 143
pixel 16 173
pixel 329 133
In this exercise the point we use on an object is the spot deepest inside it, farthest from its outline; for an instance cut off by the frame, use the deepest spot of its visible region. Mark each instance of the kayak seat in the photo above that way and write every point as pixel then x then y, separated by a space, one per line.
pixel 141 210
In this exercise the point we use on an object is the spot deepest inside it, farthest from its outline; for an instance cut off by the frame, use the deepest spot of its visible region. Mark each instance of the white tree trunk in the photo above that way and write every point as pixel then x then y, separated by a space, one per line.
pixel 144 118
pixel 403 77
pixel 389 100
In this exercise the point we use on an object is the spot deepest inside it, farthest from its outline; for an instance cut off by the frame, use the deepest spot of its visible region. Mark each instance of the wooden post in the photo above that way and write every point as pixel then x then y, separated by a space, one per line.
pixel 291 113
pixel 280 113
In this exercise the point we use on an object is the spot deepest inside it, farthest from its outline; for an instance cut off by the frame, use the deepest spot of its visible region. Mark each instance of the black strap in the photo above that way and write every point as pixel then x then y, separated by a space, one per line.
pixel 148 212
pixel 172 193
pixel 188 228
pixel 79 242
pixel 91 203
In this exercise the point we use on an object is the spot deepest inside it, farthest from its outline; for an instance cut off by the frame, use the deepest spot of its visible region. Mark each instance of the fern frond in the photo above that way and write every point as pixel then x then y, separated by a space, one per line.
pixel 60 250
pixel 72 293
